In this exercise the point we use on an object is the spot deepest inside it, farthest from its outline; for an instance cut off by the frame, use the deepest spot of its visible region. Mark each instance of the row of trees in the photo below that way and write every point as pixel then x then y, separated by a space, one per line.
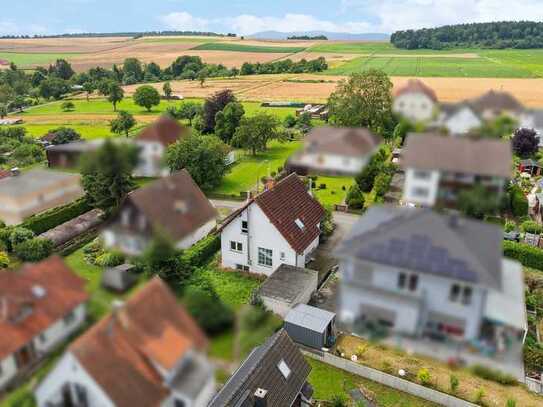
pixel 504 34
pixel 285 66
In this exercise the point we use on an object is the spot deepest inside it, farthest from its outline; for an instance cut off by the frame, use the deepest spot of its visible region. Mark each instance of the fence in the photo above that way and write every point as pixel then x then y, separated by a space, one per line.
pixel 389 380
pixel 534 385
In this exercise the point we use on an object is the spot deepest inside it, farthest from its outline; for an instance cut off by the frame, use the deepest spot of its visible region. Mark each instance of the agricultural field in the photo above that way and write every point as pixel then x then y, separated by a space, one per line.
pixel 226 46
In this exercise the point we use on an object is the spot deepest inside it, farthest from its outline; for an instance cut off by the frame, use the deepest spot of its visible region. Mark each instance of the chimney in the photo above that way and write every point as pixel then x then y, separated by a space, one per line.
pixel 261 397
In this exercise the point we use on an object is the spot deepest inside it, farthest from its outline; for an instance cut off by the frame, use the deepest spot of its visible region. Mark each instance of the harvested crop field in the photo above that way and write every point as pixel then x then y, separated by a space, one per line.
pixel 234 47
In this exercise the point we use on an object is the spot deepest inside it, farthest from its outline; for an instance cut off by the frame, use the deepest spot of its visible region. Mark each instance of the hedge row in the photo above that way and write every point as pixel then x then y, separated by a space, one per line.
pixel 528 256
pixel 199 254
pixel 45 221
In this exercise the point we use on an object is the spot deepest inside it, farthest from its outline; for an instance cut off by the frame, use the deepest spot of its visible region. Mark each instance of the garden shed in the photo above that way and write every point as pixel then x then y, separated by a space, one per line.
pixel 119 278
pixel 311 326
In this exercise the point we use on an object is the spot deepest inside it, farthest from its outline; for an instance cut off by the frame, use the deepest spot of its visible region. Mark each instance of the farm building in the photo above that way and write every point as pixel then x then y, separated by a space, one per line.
pixel 287 287
pixel 311 326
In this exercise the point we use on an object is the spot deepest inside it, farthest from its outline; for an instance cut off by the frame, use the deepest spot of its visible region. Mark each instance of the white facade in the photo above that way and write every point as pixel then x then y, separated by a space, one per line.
pixel 45 342
pixel 151 155
pixel 461 122
pixel 421 187
pixel 260 235
pixel 415 106
pixel 333 163
pixel 197 235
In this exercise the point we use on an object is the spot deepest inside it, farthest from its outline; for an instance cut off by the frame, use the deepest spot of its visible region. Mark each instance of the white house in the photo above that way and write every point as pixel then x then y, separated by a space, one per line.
pixel 458 118
pixel 279 226
pixel 418 273
pixel 174 206
pixel 41 306
pixel 415 101
pixel 330 150
pixel 153 142
pixel 147 352
pixel 437 168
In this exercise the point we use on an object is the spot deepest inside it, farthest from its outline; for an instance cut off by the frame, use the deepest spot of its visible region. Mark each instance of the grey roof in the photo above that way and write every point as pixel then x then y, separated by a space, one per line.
pixel 309 317
pixel 421 240
pixel 34 181
pixel 192 377
pixel 260 370
pixel 77 146
pixel 288 283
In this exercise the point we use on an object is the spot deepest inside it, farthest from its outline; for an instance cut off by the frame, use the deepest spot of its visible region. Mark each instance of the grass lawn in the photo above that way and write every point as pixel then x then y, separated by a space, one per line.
pixel 247 172
pixel 333 193
pixel 377 47
pixel 89 131
pixel 24 59
pixel 227 46
pixel 329 381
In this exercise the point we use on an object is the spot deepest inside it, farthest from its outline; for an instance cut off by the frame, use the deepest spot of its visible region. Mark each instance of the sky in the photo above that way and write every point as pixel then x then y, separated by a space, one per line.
pixel 246 17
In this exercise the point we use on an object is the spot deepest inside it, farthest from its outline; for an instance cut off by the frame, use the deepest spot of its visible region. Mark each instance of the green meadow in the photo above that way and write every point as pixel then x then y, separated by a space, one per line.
pixel 226 46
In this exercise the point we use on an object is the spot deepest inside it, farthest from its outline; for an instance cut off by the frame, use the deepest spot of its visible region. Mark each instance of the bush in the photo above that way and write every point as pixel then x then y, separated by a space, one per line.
pixel 494 375
pixel 33 250
pixel 254 318
pixel 382 184
pixel 20 235
pixel 5 244
pixel 533 357
pixel 200 253
pixel 528 256
pixel 530 226
pixel 110 259
pixel 454 383
pixel 509 226
pixel 423 376
pixel 48 220
pixel 208 310
pixel 479 395
pixel 518 202
pixel 355 198
pixel 4 260
pixel 339 400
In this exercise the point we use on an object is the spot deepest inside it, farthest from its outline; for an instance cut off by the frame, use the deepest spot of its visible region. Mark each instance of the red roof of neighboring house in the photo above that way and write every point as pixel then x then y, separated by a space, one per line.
pixel 5 174
pixel 165 130
pixel 35 297
pixel 150 329
pixel 417 86
pixel 284 204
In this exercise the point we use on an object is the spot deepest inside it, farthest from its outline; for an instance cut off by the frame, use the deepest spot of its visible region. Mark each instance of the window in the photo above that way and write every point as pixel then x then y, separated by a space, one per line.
pixel 68 319
pixel 413 282
pixel 244 226
pixel 242 267
pixel 455 293
pixel 236 246
pixel 264 257
pixel 299 223
pixel 420 192
pixel 179 403
pixel 401 280
pixel 282 256
pixel 466 292
pixel 466 295
pixel 418 174
pixel 284 369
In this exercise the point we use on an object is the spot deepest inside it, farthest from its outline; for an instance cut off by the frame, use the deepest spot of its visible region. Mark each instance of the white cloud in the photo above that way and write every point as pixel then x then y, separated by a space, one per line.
pixel 184 21
pixel 8 27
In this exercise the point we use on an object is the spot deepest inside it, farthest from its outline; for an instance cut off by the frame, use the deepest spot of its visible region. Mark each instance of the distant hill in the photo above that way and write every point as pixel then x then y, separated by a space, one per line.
pixel 276 35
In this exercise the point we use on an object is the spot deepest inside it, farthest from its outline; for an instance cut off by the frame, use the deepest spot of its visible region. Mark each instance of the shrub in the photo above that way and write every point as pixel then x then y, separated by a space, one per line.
pixel 339 400
pixel 382 184
pixel 360 350
pixel 48 220
pixel 479 395
pixel 5 234
pixel 494 375
pixel 530 226
pixel 254 318
pixel 355 198
pixel 20 235
pixel 4 260
pixel 33 250
pixel 528 256
pixel 199 253
pixel 518 202
pixel 423 376
pixel 454 383
pixel 110 259
pixel 509 226
pixel 386 366
pixel 533 357
pixel 208 310
pixel 511 403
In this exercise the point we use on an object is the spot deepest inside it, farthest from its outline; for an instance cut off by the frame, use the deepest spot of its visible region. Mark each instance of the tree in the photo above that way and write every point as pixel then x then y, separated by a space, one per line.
pixel 62 69
pixel 188 111
pixel 202 75
pixel 366 178
pixel 355 198
pixel 204 157
pixel 53 88
pixel 146 96
pixel 214 104
pixel 167 88
pixel 64 135
pixel 123 123
pixel 133 66
pixel 89 87
pixel 161 258
pixel 67 106
pixel 477 202
pixel 254 132
pixel 208 310
pixel 228 120
pixel 104 86
pixel 107 175
pixel 525 142
pixel 115 94
pixel 364 100
pixel 3 111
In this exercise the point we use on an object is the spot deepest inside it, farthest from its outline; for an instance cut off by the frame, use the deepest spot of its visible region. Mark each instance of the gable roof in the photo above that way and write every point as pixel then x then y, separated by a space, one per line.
pixel 260 370
pixel 164 130
pixel 416 86
pixel 354 142
pixel 458 154
pixel 174 204
pixel 150 329
pixel 424 241
pixel 35 297
pixel 495 100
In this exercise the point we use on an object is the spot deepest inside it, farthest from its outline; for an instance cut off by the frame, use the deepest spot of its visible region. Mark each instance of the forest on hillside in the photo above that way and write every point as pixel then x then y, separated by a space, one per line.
pixel 496 35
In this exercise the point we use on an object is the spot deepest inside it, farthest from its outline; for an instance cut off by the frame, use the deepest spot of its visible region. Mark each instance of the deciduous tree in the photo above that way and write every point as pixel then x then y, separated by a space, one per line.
pixel 228 120
pixel 123 123
pixel 146 96
pixel 525 142
pixel 254 132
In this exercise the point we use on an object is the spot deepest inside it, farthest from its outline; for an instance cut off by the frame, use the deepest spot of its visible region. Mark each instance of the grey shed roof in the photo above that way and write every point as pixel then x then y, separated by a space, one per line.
pixel 34 181
pixel 422 240
pixel 287 283
pixel 260 370
pixel 190 379
pixel 309 317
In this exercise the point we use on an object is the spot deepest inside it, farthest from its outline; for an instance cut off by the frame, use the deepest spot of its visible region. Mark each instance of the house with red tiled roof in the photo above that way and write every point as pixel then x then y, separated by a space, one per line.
pixel 41 305
pixel 153 142
pixel 415 101
pixel 278 226
pixel 147 352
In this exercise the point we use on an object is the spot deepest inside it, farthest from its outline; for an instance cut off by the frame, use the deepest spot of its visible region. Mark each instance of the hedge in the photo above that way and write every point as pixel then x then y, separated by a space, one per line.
pixel 34 249
pixel 528 256
pixel 200 253
pixel 45 221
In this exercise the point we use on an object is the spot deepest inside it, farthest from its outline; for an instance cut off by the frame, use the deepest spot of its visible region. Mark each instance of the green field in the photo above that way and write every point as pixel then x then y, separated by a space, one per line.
pixel 23 59
pixel 436 67
pixel 226 46
pixel 88 130
pixel 376 48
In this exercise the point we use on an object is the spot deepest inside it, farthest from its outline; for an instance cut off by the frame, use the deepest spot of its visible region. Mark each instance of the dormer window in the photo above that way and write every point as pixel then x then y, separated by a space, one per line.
pixel 284 369
pixel 181 206
pixel 300 224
